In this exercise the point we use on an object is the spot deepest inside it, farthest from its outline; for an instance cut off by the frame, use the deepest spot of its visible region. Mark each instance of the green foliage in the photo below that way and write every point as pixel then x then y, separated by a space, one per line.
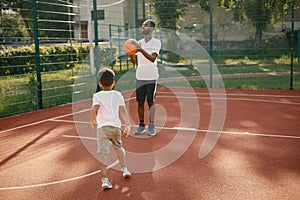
pixel 168 12
pixel 12 28
pixel 21 60
pixel 261 13
pixel 204 4
pixel 53 15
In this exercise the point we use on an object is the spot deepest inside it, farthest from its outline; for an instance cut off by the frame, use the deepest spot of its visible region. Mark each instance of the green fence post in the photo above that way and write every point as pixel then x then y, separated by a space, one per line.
pixel 136 11
pixel 219 55
pixel 37 56
pixel 110 48
pixel 120 46
pixel 210 44
pixel 292 49
pixel 298 45
pixel 97 53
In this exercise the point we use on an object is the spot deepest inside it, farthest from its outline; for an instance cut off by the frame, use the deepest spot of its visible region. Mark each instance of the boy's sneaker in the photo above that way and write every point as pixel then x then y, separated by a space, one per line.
pixel 140 130
pixel 152 131
pixel 106 184
pixel 126 173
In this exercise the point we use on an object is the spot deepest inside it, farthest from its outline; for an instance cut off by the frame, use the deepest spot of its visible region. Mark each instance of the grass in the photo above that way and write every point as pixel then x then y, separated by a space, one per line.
pixel 19 93
pixel 264 82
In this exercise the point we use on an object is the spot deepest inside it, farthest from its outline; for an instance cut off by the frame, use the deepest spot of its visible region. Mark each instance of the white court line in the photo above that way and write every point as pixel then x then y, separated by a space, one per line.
pixel 42 121
pixel 222 94
pixel 195 129
pixel 58 182
pixel 234 99
pixel 116 162
pixel 79 137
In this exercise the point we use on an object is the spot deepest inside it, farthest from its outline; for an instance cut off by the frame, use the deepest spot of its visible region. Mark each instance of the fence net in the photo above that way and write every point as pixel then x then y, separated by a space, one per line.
pixel 50 50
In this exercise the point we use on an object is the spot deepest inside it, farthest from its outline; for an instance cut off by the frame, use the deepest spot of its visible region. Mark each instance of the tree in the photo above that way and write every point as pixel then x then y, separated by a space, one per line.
pixel 168 12
pixel 11 28
pixel 52 14
pixel 261 13
pixel 20 7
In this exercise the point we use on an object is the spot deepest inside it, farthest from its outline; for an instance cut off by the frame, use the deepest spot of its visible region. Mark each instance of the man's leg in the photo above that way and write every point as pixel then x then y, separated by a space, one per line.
pixel 141 129
pixel 151 111
pixel 141 111
pixel 140 98
pixel 151 92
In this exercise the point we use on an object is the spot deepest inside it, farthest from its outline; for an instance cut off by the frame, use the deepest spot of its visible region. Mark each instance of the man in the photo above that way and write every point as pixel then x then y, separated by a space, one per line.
pixel 146 75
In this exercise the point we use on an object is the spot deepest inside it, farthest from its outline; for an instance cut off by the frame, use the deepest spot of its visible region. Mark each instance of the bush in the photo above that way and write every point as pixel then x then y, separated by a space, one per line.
pixel 21 60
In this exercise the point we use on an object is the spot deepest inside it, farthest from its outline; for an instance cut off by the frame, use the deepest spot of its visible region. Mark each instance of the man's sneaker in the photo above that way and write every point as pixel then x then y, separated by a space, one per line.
pixel 126 173
pixel 140 130
pixel 106 184
pixel 152 131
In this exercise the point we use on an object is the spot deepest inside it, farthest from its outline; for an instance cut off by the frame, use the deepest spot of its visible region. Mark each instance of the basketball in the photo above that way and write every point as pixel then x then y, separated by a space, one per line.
pixel 130 46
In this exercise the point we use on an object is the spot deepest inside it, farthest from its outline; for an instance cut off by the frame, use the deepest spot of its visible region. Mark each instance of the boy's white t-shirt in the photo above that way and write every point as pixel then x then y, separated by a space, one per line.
pixel 146 69
pixel 108 112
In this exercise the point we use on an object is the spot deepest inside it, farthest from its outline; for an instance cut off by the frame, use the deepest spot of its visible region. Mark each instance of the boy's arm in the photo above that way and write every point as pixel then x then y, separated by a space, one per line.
pixel 125 117
pixel 94 116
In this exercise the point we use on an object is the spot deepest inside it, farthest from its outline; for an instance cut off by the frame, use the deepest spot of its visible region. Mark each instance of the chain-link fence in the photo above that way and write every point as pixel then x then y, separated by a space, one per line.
pixel 45 43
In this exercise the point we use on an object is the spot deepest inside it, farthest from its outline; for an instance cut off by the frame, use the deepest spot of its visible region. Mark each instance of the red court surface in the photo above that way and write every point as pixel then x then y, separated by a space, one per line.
pixel 50 153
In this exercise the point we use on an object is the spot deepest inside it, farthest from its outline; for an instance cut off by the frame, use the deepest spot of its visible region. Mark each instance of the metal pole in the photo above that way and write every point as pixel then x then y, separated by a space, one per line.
pixel 95 22
pixel 37 56
pixel 90 37
pixel 110 47
pixel 210 43
pixel 292 48
pixel 191 48
pixel 144 10
pixel 136 11
pixel 97 53
pixel 136 3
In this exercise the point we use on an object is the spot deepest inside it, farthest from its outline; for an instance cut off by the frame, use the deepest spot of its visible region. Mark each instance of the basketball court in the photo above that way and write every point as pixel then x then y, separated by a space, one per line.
pixel 50 153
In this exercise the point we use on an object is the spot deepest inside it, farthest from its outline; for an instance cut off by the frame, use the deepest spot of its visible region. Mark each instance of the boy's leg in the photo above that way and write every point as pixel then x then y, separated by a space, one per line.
pixel 105 181
pixel 103 168
pixel 103 145
pixel 119 150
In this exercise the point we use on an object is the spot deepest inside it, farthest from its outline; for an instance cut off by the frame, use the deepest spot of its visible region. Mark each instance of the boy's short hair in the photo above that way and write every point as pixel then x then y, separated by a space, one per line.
pixel 106 77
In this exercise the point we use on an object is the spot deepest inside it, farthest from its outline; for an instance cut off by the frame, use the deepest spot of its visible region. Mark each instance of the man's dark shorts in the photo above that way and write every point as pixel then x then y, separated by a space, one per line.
pixel 145 88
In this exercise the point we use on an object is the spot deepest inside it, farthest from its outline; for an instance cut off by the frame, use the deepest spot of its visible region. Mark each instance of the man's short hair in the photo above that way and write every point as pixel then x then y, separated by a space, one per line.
pixel 152 23
pixel 106 77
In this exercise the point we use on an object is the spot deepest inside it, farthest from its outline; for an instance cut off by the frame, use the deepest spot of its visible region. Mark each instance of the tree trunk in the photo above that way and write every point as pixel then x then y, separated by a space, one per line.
pixel 28 28
pixel 258 38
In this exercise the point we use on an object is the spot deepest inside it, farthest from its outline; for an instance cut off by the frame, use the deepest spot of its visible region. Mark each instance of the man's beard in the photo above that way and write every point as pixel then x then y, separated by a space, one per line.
pixel 145 32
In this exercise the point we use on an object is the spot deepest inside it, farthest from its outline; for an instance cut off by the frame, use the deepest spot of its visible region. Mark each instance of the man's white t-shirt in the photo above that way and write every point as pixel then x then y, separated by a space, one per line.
pixel 146 69
pixel 108 112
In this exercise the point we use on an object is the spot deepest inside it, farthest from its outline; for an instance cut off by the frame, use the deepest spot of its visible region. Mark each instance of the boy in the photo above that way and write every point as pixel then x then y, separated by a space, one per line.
pixel 105 113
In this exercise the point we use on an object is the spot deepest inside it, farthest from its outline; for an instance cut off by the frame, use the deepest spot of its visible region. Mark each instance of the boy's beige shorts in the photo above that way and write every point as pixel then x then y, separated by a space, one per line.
pixel 106 136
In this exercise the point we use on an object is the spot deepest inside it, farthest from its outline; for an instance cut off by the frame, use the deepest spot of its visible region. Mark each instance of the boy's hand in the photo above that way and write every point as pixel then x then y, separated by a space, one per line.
pixel 127 130
pixel 92 124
